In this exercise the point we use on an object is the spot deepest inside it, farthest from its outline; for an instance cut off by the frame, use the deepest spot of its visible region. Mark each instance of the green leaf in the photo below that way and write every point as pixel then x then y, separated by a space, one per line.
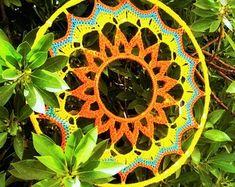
pixel 215 116
pixel 55 64
pixel 3 139
pixel 6 93
pixel 98 150
pixel 231 42
pixel 47 147
pixel 93 176
pixel 217 135
pixel 207 4
pixel 19 145
pixel 37 60
pixel 71 145
pixel 53 164
pixel 30 36
pixel 4 114
pixel 25 113
pixel 48 81
pixel 85 147
pixel 225 166
pixel 3 36
pixel 140 108
pixel 34 99
pixel 9 54
pixel 126 96
pixel 2 177
pixel 11 74
pixel 215 25
pixel 205 178
pixel 31 170
pixel 196 156
pixel 49 98
pixel 43 44
pixel 14 127
pixel 226 157
pixel 201 25
pixel 108 167
pixel 16 3
pixel 231 88
pixel 24 48
pixel 204 13
pixel 103 87
pixel 48 183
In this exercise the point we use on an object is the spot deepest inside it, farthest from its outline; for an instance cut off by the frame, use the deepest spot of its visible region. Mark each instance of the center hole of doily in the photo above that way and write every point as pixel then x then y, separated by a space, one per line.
pixel 125 88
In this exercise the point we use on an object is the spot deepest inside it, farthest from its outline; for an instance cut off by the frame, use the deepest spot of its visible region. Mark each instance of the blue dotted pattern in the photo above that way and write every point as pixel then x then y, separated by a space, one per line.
pixel 51 113
pixel 127 7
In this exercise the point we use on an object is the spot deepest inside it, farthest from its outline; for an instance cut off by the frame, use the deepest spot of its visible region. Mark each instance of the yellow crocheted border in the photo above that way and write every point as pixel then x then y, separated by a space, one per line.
pixel 207 92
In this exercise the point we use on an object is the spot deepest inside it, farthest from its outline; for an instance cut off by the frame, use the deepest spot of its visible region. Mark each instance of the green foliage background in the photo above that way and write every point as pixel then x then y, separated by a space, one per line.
pixel 213 23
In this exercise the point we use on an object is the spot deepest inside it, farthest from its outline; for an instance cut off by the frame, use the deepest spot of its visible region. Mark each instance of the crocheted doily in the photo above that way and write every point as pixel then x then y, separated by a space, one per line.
pixel 87 70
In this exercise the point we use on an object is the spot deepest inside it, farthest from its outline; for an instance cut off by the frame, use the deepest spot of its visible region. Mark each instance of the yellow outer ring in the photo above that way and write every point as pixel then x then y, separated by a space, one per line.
pixel 207 92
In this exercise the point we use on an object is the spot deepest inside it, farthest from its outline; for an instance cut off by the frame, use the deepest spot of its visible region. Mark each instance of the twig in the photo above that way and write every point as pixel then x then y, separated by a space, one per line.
pixel 219 60
pixel 217 99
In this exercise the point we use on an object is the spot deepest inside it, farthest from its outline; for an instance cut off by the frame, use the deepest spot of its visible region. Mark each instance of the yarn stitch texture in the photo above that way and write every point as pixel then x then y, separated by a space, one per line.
pixel 147 122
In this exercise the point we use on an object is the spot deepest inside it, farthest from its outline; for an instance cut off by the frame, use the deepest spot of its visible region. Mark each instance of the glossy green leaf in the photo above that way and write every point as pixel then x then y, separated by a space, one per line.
pixel 196 156
pixel 85 147
pixel 215 116
pixel 226 157
pixel 30 36
pixel 215 25
pixel 47 147
pixel 201 25
pixel 53 164
pixel 231 42
pixel 4 114
pixel 49 98
pixel 16 3
pixel 50 182
pixel 11 74
pixel 93 176
pixel 9 54
pixel 23 48
pixel 18 145
pixel 43 44
pixel 3 139
pixel 71 145
pixel 37 60
pixel 34 99
pixel 107 167
pixel 48 81
pixel 207 4
pixel 55 64
pixel 205 178
pixel 204 13
pixel 225 166
pixel 217 135
pixel 25 113
pixel 31 170
pixel 2 179
pixel 231 88
pixel 3 36
pixel 98 150
pixel 6 93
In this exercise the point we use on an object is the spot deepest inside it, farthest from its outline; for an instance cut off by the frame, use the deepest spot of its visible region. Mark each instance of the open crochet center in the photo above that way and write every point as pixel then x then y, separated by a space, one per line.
pixel 158 139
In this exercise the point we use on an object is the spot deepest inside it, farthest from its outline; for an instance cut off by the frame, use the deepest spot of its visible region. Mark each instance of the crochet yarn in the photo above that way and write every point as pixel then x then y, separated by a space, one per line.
pixel 86 94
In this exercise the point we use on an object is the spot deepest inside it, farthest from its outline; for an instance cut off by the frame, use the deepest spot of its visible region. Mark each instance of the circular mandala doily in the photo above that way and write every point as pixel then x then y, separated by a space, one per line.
pixel 154 137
